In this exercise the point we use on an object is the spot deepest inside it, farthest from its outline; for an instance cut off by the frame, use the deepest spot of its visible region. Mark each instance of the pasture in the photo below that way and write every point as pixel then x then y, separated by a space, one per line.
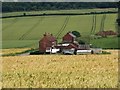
pixel 61 71
pixel 23 32
pixel 58 11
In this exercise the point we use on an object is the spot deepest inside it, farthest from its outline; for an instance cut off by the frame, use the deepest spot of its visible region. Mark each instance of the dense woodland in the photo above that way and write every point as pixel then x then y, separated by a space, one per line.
pixel 34 6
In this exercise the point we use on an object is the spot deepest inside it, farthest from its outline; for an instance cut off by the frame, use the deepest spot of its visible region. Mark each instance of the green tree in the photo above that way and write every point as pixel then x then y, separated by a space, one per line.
pixel 76 33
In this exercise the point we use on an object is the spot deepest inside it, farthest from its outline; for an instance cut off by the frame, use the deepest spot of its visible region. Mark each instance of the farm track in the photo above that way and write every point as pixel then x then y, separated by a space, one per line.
pixel 63 26
pixel 32 28
pixel 102 23
pixel 93 25
pixel 14 21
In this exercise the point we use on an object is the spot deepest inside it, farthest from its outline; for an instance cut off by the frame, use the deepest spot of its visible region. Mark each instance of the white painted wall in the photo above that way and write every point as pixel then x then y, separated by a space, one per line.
pixel 55 50
pixel 83 51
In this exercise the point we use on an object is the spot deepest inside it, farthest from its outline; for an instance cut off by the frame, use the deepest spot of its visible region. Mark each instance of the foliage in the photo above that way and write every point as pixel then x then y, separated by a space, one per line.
pixel 36 52
pixel 30 6
pixel 76 33
pixel 81 42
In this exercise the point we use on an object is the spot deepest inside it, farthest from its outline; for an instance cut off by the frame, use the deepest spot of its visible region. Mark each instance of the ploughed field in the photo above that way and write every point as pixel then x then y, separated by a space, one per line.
pixel 65 71
pixel 20 32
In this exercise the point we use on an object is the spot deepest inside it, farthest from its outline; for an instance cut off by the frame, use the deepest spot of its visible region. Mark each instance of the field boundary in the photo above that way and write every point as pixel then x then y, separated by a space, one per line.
pixel 55 14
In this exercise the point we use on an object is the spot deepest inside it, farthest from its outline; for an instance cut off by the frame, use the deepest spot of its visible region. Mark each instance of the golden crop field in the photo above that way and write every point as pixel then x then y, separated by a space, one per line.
pixel 13 50
pixel 61 71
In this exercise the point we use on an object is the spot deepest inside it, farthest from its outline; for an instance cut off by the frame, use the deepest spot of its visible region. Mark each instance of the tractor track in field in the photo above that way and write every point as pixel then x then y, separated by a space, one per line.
pixel 102 23
pixel 63 26
pixel 93 25
pixel 29 31
pixel 14 21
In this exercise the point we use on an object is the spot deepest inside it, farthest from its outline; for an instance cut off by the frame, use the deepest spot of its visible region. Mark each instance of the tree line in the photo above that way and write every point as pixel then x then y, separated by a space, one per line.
pixel 35 6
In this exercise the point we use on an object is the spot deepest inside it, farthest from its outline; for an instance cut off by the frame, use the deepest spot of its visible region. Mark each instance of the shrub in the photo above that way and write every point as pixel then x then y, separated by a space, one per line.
pixel 81 42
pixel 76 33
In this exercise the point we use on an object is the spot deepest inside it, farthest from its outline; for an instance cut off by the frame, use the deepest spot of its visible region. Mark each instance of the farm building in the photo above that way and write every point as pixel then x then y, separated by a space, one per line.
pixel 47 42
pixel 69 38
pixel 69 45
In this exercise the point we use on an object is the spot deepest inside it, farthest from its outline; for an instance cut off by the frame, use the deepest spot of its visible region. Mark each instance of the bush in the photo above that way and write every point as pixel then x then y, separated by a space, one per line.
pixel 24 14
pixel 36 53
pixel 81 42
pixel 76 33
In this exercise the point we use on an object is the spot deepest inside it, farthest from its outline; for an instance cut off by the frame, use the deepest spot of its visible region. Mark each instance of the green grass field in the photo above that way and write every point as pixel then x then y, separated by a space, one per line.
pixel 58 11
pixel 27 31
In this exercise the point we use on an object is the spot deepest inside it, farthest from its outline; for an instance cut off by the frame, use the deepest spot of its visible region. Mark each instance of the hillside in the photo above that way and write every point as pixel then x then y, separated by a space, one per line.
pixel 26 31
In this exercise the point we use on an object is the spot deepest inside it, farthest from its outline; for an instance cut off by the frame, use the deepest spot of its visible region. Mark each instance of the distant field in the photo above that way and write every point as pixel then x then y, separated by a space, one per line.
pixel 59 11
pixel 22 32
pixel 111 42
pixel 61 71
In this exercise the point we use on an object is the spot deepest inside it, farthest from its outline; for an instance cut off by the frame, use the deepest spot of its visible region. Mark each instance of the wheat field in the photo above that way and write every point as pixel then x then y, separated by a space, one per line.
pixel 61 71
pixel 13 51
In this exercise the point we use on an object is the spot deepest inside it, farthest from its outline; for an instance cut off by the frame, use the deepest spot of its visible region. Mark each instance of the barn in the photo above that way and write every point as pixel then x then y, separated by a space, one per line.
pixel 47 42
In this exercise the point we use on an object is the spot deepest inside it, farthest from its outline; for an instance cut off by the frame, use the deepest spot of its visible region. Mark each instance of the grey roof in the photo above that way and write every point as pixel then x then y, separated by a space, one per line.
pixel 72 35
